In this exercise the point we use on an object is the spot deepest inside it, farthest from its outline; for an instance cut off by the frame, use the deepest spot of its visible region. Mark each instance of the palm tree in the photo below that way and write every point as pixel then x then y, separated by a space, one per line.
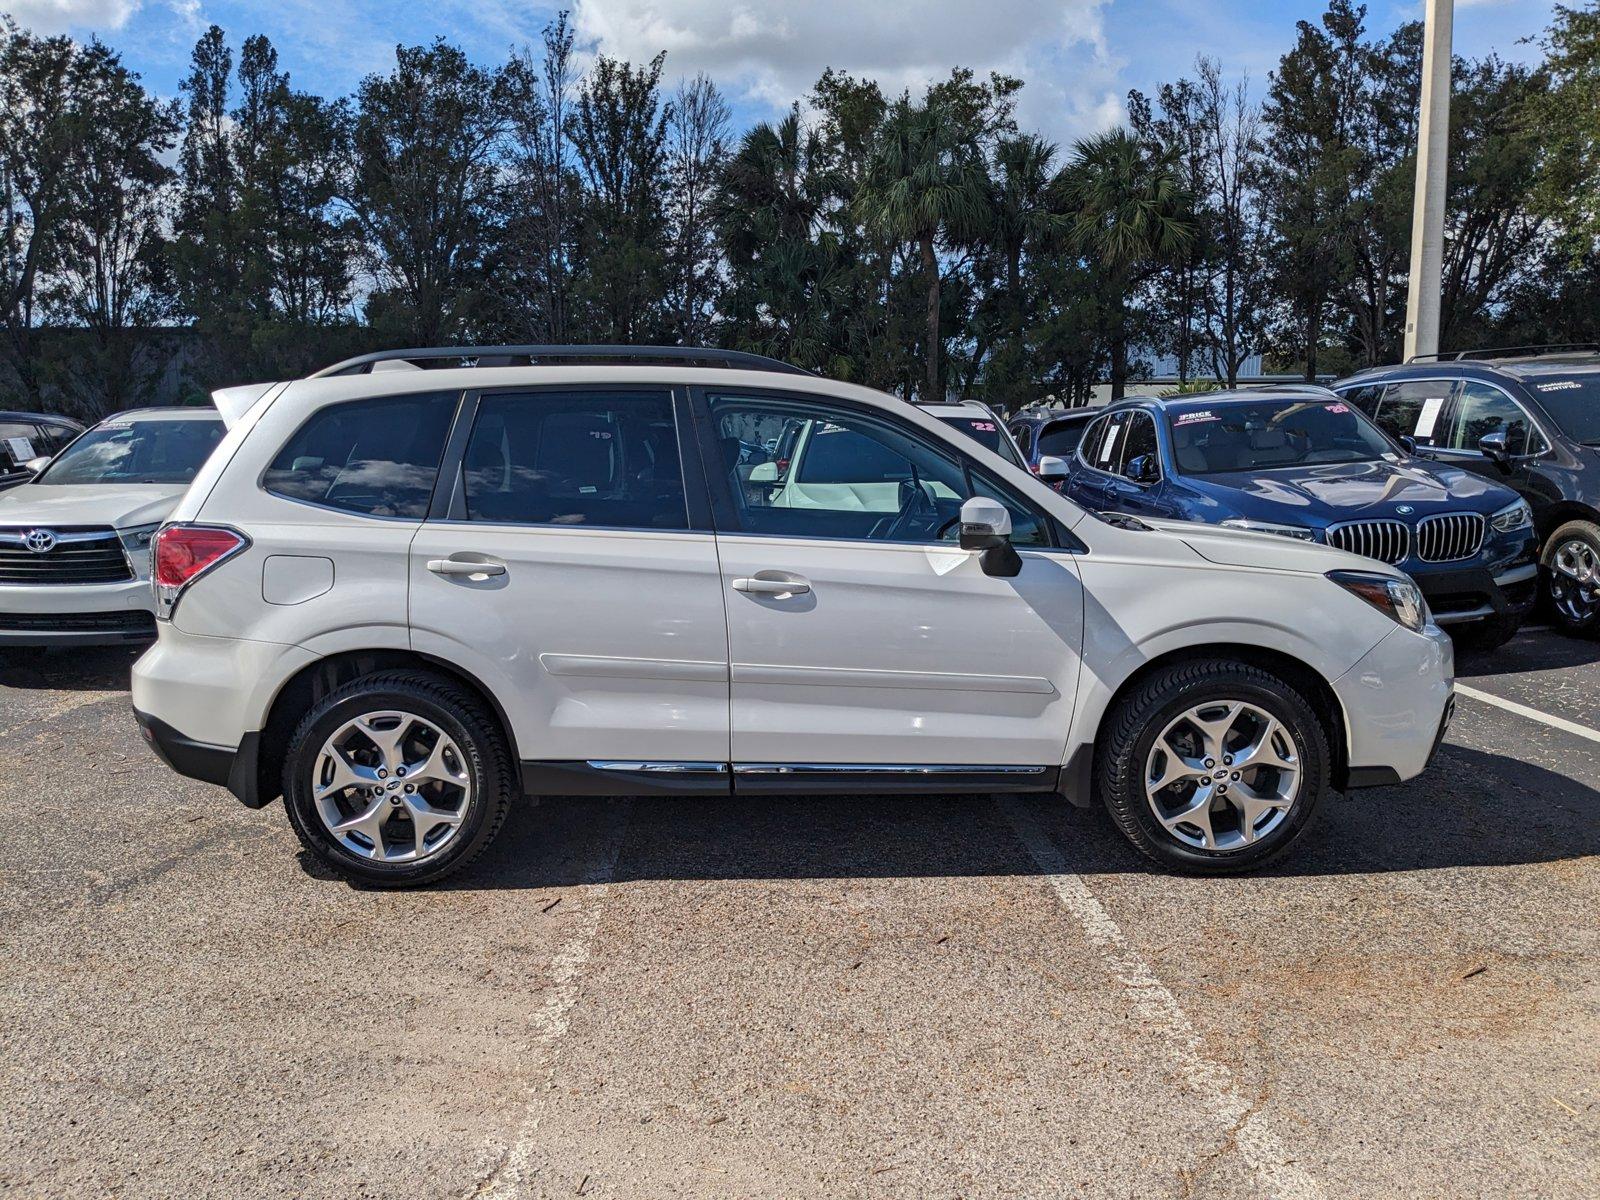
pixel 1128 214
pixel 925 183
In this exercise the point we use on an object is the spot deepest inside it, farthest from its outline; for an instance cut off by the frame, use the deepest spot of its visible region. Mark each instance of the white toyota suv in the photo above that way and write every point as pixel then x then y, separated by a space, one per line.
pixel 75 538
pixel 410 588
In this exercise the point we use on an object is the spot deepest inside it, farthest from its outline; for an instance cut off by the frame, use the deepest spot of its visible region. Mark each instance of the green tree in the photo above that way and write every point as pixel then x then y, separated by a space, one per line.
pixel 619 131
pixel 1566 119
pixel 422 185
pixel 1129 215
pixel 927 185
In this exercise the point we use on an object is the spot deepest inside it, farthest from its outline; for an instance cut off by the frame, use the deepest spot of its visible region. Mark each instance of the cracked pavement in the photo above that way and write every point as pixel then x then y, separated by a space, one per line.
pixel 829 996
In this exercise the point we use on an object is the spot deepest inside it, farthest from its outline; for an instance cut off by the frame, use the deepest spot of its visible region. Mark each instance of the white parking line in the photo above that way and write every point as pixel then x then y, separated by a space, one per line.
pixel 1533 714
pixel 1208 1079
pixel 510 1176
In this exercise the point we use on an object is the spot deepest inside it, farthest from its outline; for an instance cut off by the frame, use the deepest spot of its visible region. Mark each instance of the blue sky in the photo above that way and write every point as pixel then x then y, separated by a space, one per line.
pixel 1079 57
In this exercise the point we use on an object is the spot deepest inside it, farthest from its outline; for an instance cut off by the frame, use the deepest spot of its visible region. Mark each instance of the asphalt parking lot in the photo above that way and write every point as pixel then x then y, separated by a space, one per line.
pixel 918 997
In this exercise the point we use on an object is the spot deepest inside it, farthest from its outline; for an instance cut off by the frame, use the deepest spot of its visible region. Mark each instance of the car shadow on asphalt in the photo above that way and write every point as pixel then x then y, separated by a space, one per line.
pixel 1538 649
pixel 82 669
pixel 1472 809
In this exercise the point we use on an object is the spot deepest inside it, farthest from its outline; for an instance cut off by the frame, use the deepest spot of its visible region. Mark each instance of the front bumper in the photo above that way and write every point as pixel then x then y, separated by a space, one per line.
pixel 1505 592
pixel 68 614
pixel 1397 700
pixel 232 768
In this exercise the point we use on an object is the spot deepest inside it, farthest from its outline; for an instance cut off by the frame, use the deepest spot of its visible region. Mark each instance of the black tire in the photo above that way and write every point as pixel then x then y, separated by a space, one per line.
pixel 1139 717
pixel 485 757
pixel 1565 613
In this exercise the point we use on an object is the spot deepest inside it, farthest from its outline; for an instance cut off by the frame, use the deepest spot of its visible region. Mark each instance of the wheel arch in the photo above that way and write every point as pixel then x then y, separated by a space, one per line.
pixel 1559 513
pixel 316 679
pixel 1078 774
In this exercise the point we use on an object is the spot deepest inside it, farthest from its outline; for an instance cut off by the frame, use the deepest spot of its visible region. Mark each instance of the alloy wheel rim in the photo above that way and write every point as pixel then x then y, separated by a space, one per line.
pixel 1222 775
pixel 391 787
pixel 1575 580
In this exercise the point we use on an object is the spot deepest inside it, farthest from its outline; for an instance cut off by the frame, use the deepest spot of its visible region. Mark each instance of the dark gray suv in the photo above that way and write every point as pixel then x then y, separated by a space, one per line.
pixel 1528 417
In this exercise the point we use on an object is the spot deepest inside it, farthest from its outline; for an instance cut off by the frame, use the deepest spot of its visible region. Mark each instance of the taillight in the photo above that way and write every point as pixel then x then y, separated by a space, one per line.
pixel 180 554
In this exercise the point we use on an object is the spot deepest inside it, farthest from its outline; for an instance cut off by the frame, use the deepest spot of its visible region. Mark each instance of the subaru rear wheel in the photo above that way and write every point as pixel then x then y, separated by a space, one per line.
pixel 397 779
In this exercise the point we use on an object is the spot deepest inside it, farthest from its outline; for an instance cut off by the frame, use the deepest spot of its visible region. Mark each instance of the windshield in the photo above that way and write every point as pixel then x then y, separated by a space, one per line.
pixel 1273 433
pixel 985 430
pixel 1573 402
pixel 134 450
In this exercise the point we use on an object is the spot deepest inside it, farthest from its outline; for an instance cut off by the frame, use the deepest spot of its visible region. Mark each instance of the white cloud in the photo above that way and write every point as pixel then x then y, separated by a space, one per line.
pixel 771 55
pixel 58 16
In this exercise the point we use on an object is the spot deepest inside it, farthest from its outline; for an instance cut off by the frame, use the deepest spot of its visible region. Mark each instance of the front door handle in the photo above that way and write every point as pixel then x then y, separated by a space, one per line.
pixel 772 584
pixel 455 566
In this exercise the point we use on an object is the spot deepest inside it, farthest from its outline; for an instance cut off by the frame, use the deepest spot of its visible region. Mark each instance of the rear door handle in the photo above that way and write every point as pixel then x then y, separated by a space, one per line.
pixel 766 585
pixel 455 566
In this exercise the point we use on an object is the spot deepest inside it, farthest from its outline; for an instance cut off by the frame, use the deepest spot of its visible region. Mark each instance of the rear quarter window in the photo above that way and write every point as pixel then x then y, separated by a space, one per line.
pixel 378 458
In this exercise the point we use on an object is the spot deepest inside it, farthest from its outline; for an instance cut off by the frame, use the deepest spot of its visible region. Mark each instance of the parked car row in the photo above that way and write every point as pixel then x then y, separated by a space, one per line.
pixel 1475 474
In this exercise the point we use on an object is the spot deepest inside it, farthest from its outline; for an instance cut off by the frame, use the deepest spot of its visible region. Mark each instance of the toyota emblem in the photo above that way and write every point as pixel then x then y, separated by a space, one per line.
pixel 40 541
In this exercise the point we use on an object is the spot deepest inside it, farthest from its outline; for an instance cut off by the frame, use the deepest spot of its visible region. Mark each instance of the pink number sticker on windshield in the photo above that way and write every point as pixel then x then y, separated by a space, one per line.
pixel 1339 408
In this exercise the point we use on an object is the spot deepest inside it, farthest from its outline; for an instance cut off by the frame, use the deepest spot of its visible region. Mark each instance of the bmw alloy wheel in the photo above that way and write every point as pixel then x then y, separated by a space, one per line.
pixel 1222 775
pixel 391 787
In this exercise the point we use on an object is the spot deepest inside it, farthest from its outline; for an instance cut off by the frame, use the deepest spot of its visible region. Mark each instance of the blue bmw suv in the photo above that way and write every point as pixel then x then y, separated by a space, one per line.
pixel 1303 463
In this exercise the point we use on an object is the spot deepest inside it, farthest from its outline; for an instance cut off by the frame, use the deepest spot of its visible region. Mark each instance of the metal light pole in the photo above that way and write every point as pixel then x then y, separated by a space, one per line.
pixel 1433 157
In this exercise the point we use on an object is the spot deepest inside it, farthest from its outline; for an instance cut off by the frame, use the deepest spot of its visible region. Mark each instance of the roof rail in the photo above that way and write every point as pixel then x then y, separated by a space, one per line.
pixel 535 356
pixel 1493 352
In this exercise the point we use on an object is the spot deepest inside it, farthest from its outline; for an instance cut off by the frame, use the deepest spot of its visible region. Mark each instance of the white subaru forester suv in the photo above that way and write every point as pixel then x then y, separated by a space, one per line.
pixel 408 589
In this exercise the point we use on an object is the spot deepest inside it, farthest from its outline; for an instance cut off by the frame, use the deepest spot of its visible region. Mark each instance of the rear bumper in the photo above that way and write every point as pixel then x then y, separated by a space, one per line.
pixel 231 767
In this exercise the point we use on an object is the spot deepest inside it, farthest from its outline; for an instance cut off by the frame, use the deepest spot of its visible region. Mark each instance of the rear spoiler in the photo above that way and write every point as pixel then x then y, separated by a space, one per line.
pixel 234 402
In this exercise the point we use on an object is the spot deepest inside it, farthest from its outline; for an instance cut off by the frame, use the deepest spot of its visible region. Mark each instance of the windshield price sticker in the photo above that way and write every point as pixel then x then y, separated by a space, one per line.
pixel 1428 417
pixel 1194 418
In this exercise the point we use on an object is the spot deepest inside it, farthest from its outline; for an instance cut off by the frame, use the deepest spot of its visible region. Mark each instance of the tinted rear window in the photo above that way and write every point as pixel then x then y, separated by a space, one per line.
pixel 1573 402
pixel 987 431
pixel 1062 438
pixel 375 457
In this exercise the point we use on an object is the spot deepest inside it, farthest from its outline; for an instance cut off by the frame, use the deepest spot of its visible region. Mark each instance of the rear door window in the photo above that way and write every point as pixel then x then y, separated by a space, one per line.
pixel 378 458
pixel 1412 409
pixel 607 459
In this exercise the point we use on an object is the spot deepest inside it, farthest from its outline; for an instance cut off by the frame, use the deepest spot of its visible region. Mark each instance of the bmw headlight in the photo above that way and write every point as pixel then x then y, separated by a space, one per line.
pixel 1295 531
pixel 137 539
pixel 1513 517
pixel 1399 599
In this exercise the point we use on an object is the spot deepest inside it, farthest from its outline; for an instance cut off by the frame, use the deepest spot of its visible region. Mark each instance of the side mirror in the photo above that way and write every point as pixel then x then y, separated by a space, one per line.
pixel 986 527
pixel 1495 449
pixel 1052 468
pixel 1408 444
pixel 1143 469
pixel 766 472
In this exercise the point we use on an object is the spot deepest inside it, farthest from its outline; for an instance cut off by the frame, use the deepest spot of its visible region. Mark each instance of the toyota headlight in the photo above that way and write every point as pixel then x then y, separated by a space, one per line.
pixel 1295 531
pixel 1399 599
pixel 137 539
pixel 1513 517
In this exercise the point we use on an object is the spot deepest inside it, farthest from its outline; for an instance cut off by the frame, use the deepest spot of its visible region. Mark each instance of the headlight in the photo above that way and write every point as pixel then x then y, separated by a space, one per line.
pixel 137 539
pixel 1513 517
pixel 1398 599
pixel 1294 531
